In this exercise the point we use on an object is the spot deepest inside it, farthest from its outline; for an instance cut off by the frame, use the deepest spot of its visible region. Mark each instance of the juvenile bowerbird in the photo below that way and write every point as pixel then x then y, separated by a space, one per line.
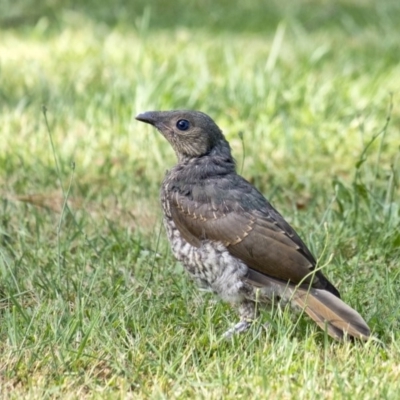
pixel 231 240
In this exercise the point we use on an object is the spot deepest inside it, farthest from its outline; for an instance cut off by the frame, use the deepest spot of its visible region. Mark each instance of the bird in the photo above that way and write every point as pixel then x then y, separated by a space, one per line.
pixel 231 240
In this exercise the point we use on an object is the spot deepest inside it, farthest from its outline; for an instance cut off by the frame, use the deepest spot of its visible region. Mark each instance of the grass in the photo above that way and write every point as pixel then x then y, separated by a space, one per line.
pixel 92 304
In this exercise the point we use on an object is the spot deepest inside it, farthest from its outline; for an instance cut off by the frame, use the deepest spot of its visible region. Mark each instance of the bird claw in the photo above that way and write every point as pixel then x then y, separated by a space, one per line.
pixel 240 327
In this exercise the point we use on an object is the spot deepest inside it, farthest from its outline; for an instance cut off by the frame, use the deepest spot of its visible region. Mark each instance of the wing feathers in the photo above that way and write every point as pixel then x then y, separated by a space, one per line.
pixel 257 235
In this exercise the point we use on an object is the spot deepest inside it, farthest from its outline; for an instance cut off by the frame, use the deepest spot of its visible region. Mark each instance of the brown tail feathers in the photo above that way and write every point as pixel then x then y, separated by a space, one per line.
pixel 331 313
pixel 327 310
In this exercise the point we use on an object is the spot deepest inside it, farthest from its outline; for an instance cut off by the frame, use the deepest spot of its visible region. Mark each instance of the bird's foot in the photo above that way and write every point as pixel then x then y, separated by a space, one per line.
pixel 240 327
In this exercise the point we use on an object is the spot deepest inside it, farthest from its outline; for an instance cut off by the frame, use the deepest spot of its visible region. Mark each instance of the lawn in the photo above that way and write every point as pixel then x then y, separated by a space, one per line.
pixel 92 303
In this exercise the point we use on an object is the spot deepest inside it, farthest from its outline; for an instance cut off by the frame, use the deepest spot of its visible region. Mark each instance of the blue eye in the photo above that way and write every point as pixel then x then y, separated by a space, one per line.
pixel 183 124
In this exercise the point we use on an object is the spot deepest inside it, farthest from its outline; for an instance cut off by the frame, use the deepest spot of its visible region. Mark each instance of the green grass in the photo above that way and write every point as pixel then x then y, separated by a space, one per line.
pixel 92 304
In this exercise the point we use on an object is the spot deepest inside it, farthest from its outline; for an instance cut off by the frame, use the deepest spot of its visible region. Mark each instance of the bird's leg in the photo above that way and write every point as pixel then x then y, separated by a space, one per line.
pixel 247 313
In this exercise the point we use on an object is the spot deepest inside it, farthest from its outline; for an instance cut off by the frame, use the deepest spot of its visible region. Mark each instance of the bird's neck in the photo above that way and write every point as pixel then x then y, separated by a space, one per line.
pixel 217 162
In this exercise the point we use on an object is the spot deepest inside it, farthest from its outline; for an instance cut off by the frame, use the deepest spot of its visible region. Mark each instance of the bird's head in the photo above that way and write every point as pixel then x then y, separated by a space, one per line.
pixel 191 133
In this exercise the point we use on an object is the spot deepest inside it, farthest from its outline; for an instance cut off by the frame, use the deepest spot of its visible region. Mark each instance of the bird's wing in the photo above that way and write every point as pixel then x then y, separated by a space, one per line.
pixel 230 210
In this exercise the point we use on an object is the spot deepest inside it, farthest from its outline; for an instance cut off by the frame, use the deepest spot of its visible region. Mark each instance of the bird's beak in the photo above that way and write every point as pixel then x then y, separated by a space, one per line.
pixel 149 117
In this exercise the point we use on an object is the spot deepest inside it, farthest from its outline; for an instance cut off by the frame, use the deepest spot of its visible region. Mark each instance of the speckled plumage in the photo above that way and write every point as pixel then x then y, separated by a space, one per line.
pixel 208 263
pixel 228 236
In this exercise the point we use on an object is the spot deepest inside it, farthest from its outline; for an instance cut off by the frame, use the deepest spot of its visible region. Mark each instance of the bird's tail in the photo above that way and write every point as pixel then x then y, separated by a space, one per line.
pixel 327 310
pixel 331 313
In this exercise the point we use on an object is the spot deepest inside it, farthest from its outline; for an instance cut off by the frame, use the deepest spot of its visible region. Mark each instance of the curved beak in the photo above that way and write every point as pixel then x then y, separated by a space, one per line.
pixel 149 117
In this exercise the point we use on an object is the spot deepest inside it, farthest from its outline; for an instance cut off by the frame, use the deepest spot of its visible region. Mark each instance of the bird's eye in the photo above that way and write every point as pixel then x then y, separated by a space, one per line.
pixel 183 124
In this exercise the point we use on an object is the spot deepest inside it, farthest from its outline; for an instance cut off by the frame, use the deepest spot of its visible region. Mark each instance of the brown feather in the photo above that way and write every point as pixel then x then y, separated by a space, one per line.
pixel 327 310
pixel 254 237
